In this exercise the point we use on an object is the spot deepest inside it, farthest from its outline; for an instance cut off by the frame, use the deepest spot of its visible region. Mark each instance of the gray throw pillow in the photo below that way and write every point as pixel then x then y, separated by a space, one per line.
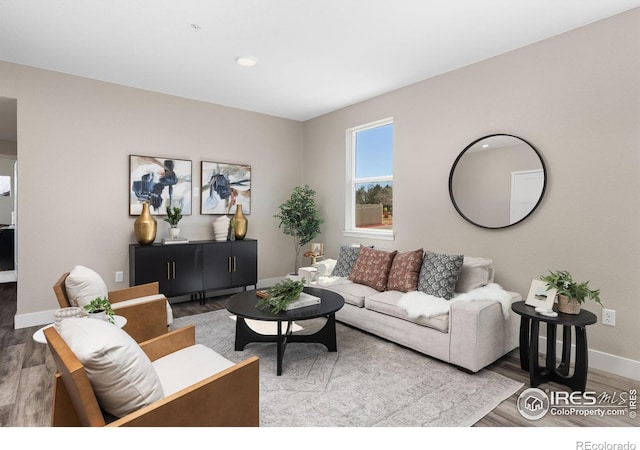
pixel 346 260
pixel 439 274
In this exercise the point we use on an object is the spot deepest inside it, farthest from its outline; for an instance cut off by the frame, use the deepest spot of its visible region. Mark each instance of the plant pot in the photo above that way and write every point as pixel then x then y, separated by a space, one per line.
pixel 99 315
pixel 568 305
pixel 174 232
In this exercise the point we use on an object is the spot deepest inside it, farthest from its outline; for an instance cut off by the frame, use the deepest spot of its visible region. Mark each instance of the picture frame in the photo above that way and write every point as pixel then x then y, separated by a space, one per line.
pixel 317 248
pixel 159 180
pixel 540 296
pixel 223 186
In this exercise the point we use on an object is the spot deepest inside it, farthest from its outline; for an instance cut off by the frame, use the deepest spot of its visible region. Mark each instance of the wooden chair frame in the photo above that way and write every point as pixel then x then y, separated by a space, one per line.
pixel 227 399
pixel 144 320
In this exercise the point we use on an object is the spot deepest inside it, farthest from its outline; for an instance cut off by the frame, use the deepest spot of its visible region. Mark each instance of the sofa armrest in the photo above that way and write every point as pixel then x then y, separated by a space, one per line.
pixel 479 333
pixel 230 398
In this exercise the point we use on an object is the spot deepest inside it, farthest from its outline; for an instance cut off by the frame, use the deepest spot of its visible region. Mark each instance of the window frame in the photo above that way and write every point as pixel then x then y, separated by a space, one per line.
pixel 350 230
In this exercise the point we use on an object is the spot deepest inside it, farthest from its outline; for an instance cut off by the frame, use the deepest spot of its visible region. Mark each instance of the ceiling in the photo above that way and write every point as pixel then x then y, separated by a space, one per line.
pixel 313 56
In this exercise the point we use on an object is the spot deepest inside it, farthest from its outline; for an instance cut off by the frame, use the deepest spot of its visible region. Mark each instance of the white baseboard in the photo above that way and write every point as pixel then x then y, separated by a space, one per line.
pixel 8 276
pixel 33 319
pixel 606 362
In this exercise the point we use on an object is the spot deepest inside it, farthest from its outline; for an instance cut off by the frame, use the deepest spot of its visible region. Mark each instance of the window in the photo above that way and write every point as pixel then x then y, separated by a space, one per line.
pixel 369 189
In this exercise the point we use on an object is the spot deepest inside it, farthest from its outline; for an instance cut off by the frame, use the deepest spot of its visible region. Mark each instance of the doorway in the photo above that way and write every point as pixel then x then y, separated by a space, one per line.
pixel 8 189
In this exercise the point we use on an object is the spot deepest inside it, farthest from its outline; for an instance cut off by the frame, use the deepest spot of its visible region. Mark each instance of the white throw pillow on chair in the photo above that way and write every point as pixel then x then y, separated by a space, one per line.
pixel 120 372
pixel 83 285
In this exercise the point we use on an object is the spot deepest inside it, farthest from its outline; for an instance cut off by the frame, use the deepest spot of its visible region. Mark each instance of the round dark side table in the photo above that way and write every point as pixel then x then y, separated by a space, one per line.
pixel 529 330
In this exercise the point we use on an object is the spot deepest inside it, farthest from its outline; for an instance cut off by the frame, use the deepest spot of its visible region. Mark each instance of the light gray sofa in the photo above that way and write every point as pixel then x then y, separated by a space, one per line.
pixel 472 335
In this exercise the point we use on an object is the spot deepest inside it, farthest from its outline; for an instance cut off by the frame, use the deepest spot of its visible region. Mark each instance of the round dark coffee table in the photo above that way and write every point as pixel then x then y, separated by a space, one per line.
pixel 243 305
pixel 529 329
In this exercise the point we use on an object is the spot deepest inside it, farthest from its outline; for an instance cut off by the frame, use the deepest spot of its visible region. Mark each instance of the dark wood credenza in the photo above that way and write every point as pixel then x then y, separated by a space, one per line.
pixel 195 267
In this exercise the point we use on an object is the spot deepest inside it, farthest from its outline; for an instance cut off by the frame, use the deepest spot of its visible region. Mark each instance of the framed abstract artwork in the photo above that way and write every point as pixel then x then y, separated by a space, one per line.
pixel 224 186
pixel 159 181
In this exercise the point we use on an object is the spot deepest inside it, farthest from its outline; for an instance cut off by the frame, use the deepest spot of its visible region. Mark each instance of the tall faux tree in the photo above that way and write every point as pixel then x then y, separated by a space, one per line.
pixel 300 218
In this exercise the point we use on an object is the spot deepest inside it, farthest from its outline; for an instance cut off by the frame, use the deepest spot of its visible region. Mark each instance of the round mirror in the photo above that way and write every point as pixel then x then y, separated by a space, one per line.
pixel 497 181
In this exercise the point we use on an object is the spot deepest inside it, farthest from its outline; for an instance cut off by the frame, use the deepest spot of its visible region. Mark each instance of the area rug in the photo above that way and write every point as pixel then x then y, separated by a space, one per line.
pixel 368 382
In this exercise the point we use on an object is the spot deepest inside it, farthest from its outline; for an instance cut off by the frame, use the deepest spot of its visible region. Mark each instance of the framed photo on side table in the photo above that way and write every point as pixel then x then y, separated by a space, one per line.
pixel 540 296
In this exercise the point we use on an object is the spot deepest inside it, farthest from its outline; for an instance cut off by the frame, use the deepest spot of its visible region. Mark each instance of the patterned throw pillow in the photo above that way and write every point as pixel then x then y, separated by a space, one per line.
pixel 372 268
pixel 346 259
pixel 439 274
pixel 405 270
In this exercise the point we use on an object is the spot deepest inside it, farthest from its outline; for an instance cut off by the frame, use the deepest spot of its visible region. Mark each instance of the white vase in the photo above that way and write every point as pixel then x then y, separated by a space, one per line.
pixel 221 228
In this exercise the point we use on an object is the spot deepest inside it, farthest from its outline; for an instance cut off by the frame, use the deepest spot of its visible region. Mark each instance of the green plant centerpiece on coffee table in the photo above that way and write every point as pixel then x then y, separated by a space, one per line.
pixel 300 218
pixel 571 294
pixel 98 305
pixel 279 296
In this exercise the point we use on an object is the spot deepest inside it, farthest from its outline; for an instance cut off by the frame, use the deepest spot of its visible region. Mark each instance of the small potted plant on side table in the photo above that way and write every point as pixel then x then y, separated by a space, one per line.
pixel 571 294
pixel 100 308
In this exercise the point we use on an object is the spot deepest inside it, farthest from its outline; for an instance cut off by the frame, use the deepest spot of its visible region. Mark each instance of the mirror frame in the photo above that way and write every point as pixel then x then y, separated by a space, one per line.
pixel 462 153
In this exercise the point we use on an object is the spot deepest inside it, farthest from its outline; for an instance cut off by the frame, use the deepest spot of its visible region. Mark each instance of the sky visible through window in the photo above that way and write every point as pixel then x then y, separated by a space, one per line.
pixel 374 152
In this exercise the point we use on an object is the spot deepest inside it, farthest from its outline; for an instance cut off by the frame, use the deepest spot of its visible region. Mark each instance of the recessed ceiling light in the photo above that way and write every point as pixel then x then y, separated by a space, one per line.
pixel 485 145
pixel 246 61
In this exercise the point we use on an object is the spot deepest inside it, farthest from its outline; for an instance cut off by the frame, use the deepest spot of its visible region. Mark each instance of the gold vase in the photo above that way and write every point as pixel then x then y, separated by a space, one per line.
pixel 145 226
pixel 240 223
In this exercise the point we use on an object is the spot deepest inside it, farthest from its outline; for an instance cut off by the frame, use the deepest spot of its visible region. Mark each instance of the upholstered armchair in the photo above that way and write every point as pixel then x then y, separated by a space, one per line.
pixel 105 378
pixel 148 312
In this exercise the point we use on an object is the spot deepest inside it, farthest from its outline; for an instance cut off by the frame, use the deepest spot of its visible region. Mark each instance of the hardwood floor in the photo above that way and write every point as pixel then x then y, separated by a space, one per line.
pixel 26 373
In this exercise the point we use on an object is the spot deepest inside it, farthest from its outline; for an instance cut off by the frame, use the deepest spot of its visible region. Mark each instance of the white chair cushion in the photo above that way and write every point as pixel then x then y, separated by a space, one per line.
pixel 146 298
pixel 83 285
pixel 186 367
pixel 120 373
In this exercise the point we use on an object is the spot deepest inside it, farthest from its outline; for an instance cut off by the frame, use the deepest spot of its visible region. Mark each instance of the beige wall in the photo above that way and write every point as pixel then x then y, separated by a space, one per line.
pixel 74 139
pixel 576 98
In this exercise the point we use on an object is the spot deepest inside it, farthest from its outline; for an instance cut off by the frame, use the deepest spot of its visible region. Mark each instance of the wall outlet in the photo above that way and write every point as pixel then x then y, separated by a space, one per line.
pixel 119 276
pixel 609 317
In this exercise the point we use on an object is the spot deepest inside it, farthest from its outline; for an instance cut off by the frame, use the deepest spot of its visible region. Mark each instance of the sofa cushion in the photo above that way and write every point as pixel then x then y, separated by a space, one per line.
pixel 353 293
pixel 83 285
pixel 372 267
pixel 476 272
pixel 439 274
pixel 120 373
pixel 387 303
pixel 346 259
pixel 405 270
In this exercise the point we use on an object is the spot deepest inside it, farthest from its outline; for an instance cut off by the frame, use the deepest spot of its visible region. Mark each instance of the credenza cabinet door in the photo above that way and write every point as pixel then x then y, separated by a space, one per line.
pixel 149 264
pixel 178 268
pixel 244 263
pixel 216 265
pixel 185 269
